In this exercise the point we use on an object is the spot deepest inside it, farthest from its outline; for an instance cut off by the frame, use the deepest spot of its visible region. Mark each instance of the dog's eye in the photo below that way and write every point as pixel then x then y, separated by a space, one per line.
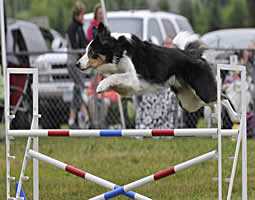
pixel 92 54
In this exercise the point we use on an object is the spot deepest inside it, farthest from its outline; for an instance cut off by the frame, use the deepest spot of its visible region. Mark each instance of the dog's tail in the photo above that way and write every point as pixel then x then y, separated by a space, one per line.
pixel 183 39
pixel 190 43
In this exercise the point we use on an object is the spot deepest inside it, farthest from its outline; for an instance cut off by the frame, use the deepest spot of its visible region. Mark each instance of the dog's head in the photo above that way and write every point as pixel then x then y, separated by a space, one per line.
pixel 103 53
pixel 99 51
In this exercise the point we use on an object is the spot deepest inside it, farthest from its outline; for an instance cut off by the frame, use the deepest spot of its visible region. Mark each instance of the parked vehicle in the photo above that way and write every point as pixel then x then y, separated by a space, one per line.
pixel 147 25
pixel 23 36
pixel 227 41
pixel 53 39
pixel 229 38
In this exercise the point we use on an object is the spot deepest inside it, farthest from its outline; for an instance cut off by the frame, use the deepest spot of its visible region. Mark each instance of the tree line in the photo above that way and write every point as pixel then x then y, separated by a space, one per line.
pixel 209 15
pixel 204 15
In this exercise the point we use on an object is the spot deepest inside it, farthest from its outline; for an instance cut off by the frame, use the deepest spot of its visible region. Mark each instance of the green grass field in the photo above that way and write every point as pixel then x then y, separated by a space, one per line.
pixel 124 160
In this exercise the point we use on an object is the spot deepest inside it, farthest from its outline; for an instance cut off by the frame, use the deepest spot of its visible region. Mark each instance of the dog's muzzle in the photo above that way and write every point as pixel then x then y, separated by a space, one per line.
pixel 78 64
pixel 87 68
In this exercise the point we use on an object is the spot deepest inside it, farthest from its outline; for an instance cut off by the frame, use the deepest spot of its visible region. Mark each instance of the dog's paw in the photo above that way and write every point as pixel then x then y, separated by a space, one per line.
pixel 102 87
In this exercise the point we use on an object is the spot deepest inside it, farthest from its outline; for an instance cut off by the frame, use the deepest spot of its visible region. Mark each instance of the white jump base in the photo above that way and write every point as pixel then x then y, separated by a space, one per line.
pixel 83 174
pixel 155 177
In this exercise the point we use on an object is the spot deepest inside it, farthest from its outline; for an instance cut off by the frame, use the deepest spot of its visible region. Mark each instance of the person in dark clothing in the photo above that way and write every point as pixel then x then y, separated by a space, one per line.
pixel 77 40
pixel 75 31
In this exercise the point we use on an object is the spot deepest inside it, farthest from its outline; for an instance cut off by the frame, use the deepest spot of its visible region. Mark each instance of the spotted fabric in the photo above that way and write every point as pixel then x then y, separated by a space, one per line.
pixel 157 111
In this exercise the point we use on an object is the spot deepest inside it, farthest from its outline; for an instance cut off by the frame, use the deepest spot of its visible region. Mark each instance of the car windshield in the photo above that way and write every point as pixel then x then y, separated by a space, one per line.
pixel 184 25
pixel 33 38
pixel 123 25
pixel 229 39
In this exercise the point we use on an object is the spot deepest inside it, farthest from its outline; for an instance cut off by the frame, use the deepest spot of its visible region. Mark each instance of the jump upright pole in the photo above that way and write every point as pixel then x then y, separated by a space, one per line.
pixel 125 132
pixel 155 177
pixel 6 99
pixel 242 132
pixel 83 174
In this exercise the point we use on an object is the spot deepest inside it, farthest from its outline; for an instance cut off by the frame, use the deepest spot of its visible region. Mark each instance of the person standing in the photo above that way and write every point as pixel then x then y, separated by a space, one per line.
pixel 77 40
pixel 168 42
pixel 98 17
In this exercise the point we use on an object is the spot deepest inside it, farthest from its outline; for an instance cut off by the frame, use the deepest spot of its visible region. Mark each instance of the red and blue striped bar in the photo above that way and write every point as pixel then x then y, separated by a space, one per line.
pixel 152 178
pixel 84 175
pixel 124 132
pixel 157 176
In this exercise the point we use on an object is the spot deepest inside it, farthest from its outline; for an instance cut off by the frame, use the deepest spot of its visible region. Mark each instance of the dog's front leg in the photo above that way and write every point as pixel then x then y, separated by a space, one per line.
pixel 104 85
pixel 120 82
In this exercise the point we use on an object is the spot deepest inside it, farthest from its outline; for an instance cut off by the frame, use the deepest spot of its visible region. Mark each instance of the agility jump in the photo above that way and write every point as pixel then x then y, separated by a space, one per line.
pixel 117 190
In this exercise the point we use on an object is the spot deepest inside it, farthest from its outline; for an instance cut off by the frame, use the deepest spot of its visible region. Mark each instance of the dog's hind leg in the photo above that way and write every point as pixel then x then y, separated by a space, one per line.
pixel 210 113
pixel 235 117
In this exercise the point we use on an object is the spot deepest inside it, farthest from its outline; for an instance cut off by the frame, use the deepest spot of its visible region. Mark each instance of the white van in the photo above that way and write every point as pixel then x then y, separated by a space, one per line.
pixel 147 25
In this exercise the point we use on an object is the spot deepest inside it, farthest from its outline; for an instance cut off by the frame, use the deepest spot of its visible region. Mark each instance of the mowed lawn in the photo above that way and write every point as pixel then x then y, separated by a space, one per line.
pixel 124 160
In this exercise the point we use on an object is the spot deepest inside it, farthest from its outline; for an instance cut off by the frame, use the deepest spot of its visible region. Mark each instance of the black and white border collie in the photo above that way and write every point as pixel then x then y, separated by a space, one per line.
pixel 138 67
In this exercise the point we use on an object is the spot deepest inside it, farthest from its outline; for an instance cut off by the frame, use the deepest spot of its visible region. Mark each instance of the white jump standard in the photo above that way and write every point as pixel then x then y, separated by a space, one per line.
pixel 83 174
pixel 157 176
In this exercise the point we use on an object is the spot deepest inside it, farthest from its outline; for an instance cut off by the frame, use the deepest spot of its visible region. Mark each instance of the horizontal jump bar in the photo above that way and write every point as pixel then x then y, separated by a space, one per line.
pixel 124 132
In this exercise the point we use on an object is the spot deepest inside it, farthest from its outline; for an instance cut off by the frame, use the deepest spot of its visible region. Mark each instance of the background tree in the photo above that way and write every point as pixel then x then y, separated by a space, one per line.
pixel 200 19
pixel 164 5
pixel 214 18
pixel 235 14
pixel 207 15
pixel 58 23
pixel 204 15
pixel 186 9
pixel 251 13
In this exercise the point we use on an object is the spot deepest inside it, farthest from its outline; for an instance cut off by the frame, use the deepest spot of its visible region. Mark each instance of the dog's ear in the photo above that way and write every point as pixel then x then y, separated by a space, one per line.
pixel 94 32
pixel 102 30
pixel 104 36
pixel 122 45
pixel 107 42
